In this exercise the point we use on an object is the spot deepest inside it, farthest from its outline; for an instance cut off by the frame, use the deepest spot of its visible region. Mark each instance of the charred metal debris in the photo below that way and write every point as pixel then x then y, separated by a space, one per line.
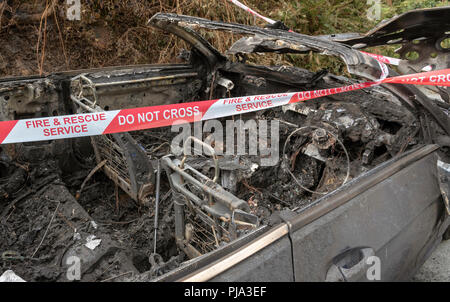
pixel 204 202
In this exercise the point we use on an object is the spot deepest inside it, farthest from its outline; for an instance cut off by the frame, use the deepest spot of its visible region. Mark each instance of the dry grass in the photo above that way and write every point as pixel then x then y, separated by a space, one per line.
pixel 114 32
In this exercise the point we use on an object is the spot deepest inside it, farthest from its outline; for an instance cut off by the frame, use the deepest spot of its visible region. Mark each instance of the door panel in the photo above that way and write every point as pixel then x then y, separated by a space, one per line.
pixel 273 264
pixel 394 212
pixel 395 219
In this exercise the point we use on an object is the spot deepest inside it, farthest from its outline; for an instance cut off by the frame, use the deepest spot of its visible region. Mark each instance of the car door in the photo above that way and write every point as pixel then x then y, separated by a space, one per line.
pixel 380 226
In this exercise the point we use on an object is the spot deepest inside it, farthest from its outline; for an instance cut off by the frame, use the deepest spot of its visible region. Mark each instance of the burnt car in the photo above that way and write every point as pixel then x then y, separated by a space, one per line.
pixel 361 175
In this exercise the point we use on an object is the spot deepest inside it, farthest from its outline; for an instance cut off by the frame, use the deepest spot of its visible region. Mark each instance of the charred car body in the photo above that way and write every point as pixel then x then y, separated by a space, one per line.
pixel 360 174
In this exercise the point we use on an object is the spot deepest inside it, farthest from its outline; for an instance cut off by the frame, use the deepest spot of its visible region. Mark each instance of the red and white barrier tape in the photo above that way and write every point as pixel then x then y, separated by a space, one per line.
pixel 251 11
pixel 384 59
pixel 90 124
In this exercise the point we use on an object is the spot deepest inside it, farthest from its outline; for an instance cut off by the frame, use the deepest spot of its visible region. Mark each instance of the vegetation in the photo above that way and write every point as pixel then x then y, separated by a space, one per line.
pixel 38 38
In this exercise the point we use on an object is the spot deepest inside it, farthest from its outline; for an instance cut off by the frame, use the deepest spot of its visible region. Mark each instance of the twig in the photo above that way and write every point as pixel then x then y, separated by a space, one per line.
pixel 98 167
pixel 61 39
pixel 13 203
pixel 117 222
pixel 66 221
pixel 41 61
pixel 109 279
pixel 278 199
pixel 251 188
pixel 116 194
pixel 159 147
pixel 166 196
pixel 215 236
pixel 2 9
pixel 107 269
pixel 46 231
pixel 13 208
pixel 37 190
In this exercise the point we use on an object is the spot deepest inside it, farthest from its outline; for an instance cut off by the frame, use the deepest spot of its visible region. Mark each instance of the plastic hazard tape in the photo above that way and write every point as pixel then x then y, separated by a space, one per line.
pixel 90 124
pixel 251 11
pixel 386 60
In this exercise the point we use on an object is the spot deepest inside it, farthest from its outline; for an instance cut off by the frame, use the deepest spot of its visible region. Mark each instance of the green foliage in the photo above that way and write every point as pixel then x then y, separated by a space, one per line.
pixel 402 6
